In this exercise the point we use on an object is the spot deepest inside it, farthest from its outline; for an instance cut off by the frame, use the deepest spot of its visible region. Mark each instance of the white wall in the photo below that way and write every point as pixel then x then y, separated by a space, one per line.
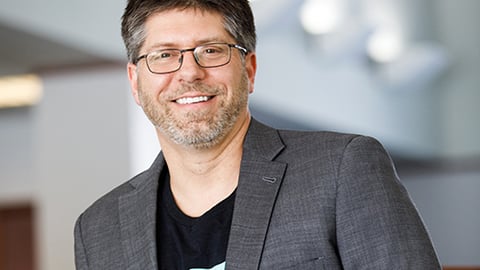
pixel 143 142
pixel 16 161
pixel 80 136
pixel 456 23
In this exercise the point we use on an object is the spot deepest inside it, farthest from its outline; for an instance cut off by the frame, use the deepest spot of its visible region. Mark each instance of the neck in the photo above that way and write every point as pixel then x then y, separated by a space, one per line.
pixel 200 178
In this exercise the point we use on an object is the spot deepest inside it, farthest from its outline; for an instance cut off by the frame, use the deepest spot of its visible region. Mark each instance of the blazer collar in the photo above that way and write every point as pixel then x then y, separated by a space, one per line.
pixel 137 215
pixel 260 179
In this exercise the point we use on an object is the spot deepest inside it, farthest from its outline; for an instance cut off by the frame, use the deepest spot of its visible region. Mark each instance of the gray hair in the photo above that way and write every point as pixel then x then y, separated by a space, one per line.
pixel 237 16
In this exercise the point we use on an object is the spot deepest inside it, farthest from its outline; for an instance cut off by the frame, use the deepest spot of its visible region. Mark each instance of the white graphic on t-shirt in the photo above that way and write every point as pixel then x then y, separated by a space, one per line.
pixel 218 267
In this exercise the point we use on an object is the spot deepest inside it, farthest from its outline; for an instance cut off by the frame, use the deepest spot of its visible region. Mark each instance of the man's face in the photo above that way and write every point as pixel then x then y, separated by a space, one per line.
pixel 194 106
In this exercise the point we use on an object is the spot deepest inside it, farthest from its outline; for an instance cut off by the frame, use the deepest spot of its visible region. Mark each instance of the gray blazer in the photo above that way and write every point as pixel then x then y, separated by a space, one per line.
pixel 305 200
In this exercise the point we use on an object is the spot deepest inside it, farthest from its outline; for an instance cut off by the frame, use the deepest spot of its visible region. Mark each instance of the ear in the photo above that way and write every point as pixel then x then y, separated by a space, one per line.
pixel 133 78
pixel 251 69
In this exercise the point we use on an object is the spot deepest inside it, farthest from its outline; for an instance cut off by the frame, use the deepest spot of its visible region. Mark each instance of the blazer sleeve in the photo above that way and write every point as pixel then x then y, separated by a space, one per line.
pixel 80 256
pixel 378 226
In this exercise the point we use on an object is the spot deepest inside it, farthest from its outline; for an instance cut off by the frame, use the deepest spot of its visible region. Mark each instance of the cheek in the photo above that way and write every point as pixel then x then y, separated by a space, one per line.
pixel 153 86
pixel 238 89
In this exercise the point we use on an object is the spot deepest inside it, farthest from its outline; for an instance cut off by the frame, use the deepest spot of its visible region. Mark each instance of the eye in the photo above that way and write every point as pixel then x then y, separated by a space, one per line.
pixel 164 55
pixel 213 51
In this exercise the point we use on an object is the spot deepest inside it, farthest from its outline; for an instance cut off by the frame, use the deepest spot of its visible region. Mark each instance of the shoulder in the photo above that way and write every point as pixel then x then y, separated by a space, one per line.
pixel 319 145
pixel 323 139
pixel 328 144
pixel 297 139
pixel 97 231
pixel 346 155
pixel 293 138
pixel 105 208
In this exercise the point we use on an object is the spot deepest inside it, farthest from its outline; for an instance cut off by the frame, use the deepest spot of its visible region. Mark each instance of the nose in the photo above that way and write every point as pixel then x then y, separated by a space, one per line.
pixel 190 71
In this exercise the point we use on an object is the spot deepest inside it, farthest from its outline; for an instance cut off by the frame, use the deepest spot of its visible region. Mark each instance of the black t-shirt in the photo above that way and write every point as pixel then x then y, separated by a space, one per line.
pixel 184 242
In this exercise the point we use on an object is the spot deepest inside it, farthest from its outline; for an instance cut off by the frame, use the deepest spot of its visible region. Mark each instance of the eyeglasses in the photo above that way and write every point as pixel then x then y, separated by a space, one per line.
pixel 207 56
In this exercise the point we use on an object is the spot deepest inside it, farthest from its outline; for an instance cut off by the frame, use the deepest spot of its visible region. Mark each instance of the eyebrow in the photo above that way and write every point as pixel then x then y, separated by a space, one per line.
pixel 172 45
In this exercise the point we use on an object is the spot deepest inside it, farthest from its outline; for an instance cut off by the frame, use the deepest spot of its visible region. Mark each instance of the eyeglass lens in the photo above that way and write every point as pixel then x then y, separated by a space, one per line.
pixel 207 56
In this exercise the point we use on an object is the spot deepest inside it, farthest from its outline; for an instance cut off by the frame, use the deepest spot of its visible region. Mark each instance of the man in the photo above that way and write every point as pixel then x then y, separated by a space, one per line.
pixel 228 192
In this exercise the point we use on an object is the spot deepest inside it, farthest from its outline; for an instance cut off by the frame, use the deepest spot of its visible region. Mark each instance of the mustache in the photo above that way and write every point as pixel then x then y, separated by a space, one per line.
pixel 198 88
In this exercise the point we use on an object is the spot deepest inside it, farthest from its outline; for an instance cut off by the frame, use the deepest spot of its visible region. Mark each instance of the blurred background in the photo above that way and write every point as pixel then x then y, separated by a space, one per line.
pixel 406 72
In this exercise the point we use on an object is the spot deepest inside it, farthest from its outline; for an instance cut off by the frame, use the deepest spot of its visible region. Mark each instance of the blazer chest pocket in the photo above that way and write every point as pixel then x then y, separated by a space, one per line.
pixel 319 263
pixel 313 264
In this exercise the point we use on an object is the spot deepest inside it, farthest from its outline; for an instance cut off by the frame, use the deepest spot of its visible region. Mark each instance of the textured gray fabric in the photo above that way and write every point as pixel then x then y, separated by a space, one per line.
pixel 305 200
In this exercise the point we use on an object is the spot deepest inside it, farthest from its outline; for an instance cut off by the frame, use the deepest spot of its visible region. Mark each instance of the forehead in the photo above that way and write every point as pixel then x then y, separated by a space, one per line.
pixel 184 28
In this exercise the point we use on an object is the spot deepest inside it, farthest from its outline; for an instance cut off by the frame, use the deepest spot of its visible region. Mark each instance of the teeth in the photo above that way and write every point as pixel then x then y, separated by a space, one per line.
pixel 191 100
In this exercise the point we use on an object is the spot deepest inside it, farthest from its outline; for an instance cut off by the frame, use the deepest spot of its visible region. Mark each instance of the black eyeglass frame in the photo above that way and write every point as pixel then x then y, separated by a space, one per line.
pixel 236 46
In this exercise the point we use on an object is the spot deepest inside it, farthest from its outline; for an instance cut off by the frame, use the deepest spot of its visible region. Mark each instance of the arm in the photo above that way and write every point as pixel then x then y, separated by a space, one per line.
pixel 80 256
pixel 378 226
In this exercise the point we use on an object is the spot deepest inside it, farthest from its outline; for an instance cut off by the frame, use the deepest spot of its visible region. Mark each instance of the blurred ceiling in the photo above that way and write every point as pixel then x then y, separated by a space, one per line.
pixel 23 52
pixel 37 35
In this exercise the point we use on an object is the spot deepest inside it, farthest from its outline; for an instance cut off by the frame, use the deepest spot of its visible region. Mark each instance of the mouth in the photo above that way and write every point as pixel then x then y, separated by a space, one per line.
pixel 193 100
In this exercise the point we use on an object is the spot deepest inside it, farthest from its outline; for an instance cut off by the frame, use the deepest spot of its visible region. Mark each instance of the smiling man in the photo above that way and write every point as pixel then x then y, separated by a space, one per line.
pixel 227 192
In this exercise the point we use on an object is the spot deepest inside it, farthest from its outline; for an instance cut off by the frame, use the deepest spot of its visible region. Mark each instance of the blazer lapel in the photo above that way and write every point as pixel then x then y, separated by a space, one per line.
pixel 260 179
pixel 137 215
